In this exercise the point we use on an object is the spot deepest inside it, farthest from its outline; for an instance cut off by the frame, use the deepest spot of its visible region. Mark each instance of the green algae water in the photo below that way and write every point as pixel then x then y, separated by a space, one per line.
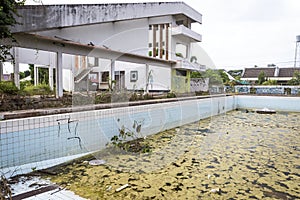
pixel 237 155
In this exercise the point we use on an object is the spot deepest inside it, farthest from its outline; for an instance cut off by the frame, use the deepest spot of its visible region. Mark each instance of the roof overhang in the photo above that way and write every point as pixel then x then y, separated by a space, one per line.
pixel 38 42
pixel 186 65
pixel 186 33
pixel 44 17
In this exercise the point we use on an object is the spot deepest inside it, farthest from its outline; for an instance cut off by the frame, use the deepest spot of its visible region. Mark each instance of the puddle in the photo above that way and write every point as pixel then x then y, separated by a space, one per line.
pixel 234 156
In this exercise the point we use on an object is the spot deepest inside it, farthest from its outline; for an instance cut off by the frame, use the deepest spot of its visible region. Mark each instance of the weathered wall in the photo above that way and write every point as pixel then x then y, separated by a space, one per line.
pixel 181 84
pixel 36 18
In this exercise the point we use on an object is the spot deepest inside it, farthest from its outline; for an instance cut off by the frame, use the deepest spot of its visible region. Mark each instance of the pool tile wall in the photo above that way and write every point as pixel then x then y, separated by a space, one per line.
pixel 39 142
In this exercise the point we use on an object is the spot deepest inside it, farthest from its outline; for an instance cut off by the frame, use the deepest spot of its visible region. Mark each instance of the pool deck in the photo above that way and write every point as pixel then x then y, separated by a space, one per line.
pixel 35 188
pixel 52 111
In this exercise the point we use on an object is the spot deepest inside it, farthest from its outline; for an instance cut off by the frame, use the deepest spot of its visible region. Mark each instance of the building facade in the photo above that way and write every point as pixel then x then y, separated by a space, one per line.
pixel 133 46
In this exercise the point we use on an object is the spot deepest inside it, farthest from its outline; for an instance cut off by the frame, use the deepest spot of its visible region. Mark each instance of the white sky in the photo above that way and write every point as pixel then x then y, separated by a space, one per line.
pixel 239 33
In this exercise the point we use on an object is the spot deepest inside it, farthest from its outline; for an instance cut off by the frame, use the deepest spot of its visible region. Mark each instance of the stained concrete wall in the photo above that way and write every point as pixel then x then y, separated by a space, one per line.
pixel 126 36
pixel 43 17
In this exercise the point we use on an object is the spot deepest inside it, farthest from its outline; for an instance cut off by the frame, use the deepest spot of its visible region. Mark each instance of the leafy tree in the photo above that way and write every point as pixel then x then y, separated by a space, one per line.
pixel 270 82
pixel 296 79
pixel 8 11
pixel 261 78
pixel 214 77
pixel 224 76
pixel 196 74
pixel 24 74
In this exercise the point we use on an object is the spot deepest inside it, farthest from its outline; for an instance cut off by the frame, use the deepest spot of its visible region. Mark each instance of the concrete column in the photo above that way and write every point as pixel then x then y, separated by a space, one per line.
pixel 59 75
pixel 161 27
pixel 1 71
pixel 36 75
pixel 52 65
pixel 51 83
pixel 154 27
pixel 147 78
pixel 167 42
pixel 16 68
pixel 112 72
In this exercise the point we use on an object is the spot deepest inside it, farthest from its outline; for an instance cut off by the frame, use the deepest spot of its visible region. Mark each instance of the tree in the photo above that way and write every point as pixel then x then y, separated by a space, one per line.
pixel 296 79
pixel 261 77
pixel 8 12
pixel 270 82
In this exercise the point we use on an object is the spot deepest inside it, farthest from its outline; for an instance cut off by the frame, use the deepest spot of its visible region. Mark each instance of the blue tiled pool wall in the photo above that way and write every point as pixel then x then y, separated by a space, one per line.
pixel 267 89
pixel 28 142
pixel 287 104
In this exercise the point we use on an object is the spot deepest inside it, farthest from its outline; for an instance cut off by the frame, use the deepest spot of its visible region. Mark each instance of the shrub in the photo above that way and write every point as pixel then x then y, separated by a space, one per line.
pixel 41 89
pixel 8 87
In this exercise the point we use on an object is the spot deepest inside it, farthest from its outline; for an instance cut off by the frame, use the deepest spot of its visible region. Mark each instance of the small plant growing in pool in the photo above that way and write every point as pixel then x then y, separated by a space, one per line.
pixel 131 140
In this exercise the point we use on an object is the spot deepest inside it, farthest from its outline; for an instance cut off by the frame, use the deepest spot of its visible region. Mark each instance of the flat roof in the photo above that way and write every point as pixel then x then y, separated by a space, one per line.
pixel 44 17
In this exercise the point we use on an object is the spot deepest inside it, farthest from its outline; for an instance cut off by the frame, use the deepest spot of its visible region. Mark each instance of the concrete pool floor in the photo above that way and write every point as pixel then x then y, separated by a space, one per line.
pixel 237 155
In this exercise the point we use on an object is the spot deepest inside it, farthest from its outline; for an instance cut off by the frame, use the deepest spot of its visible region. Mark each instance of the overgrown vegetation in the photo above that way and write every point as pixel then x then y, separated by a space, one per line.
pixel 261 78
pixel 8 11
pixel 131 140
pixel 8 87
pixel 296 79
pixel 26 89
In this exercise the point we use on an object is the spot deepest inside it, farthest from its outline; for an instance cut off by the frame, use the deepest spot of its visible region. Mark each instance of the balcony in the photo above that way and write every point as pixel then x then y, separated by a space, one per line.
pixel 184 64
pixel 183 32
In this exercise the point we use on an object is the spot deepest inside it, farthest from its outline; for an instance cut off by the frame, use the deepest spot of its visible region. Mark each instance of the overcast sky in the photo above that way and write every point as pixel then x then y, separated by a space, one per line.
pixel 240 33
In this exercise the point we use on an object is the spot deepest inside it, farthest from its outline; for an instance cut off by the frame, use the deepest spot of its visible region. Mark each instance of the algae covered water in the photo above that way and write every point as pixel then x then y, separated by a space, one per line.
pixel 238 155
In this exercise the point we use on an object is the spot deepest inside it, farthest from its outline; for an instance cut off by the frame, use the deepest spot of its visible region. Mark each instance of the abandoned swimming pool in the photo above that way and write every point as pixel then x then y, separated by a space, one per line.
pixel 186 156
pixel 237 155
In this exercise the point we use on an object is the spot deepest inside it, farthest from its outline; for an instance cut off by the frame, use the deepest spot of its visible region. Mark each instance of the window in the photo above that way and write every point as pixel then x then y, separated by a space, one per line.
pixel 104 76
pixel 150 45
pixel 180 72
pixel 133 76
pixel 179 22
pixel 150 27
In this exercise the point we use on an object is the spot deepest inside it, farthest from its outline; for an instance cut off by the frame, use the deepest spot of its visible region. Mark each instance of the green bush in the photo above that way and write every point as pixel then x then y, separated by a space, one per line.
pixel 41 89
pixel 8 87
pixel 171 95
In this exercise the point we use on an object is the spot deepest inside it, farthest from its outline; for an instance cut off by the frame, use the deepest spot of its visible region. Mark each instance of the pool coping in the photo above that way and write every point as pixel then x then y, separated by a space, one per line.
pixel 52 111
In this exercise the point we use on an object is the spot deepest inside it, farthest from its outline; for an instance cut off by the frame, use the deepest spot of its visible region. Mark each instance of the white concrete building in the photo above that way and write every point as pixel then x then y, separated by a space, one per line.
pixel 134 46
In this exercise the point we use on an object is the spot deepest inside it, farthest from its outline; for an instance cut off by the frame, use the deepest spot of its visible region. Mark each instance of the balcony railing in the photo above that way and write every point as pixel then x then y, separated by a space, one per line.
pixel 185 64
pixel 182 31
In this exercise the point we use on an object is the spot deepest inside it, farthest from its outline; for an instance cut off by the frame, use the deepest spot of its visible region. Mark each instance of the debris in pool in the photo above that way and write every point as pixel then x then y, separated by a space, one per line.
pixel 215 190
pixel 108 188
pixel 122 187
pixel 265 111
pixel 97 162
pixel 208 176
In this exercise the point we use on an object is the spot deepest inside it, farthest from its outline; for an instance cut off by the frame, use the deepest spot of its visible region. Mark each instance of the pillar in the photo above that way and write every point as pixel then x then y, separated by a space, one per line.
pixel 167 42
pixel 147 78
pixel 51 83
pixel 112 73
pixel 161 27
pixel 36 75
pixel 154 40
pixel 16 68
pixel 1 71
pixel 59 75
